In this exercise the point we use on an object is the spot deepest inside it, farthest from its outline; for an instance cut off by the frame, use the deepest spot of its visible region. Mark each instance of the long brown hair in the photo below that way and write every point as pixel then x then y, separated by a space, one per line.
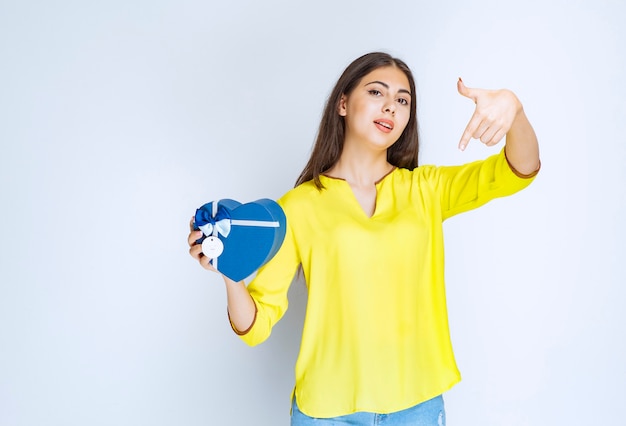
pixel 330 136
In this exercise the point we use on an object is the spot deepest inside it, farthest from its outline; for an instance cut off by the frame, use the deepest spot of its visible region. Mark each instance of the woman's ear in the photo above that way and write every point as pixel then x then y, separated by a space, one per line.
pixel 341 109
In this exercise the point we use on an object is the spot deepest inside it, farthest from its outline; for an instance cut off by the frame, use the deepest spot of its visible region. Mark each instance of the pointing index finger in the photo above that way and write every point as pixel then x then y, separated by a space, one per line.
pixel 469 131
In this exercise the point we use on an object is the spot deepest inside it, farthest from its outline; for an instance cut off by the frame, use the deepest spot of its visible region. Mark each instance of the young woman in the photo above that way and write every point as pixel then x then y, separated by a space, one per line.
pixel 365 225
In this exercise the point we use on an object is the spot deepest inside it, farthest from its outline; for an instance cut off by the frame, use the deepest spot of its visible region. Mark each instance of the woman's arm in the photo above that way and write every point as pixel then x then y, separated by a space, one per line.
pixel 522 149
pixel 499 113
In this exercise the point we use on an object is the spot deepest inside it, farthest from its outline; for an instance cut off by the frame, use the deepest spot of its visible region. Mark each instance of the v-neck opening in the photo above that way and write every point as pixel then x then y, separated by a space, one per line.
pixel 354 197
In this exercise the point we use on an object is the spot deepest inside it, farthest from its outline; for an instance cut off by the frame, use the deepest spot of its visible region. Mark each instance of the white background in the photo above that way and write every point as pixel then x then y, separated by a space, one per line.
pixel 119 118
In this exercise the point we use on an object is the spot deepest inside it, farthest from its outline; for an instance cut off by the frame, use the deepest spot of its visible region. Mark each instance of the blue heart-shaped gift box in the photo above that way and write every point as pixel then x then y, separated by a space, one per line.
pixel 251 233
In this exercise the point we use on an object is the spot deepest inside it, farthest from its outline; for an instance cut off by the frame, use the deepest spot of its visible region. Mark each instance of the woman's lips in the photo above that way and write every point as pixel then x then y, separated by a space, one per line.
pixel 384 125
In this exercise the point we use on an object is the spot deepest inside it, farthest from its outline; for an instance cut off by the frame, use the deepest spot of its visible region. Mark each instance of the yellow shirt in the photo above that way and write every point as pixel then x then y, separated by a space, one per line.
pixel 375 334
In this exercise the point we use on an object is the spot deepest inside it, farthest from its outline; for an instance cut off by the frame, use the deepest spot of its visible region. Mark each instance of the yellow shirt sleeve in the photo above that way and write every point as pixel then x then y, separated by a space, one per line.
pixel 269 292
pixel 471 185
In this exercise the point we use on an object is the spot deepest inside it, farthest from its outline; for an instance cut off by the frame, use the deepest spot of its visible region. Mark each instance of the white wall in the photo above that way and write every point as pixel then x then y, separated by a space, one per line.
pixel 118 119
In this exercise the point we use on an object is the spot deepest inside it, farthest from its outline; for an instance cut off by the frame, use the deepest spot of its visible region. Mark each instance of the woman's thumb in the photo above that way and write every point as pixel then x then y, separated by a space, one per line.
pixel 465 91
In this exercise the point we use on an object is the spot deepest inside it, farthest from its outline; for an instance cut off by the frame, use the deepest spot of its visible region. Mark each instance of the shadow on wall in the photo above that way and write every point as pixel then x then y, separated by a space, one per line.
pixel 287 334
pixel 278 354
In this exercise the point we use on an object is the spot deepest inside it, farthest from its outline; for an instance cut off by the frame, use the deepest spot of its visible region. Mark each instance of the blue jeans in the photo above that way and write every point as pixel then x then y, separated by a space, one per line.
pixel 428 413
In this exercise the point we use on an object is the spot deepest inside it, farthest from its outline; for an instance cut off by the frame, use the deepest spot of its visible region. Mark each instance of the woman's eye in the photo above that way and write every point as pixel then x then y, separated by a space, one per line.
pixel 403 101
pixel 374 92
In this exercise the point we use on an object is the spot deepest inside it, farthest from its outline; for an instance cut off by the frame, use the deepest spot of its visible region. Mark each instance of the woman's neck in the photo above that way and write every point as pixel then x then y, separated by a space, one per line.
pixel 360 167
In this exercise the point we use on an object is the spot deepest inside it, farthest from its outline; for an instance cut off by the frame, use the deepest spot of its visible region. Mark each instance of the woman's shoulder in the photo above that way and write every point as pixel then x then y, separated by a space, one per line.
pixel 304 193
pixel 420 173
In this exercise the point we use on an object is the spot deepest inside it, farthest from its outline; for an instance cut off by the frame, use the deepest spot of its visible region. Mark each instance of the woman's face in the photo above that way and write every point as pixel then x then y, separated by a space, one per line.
pixel 378 108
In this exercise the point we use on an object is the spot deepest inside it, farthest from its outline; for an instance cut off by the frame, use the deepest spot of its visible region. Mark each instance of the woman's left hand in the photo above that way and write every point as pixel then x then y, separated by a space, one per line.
pixel 495 113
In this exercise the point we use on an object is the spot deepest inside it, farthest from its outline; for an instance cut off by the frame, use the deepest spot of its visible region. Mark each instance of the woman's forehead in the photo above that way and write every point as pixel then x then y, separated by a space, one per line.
pixel 388 75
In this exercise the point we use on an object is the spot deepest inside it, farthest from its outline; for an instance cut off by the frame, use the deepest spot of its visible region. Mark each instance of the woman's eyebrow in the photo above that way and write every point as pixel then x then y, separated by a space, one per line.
pixel 386 86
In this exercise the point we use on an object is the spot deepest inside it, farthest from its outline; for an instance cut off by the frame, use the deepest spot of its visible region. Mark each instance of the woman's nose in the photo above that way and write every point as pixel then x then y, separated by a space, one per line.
pixel 390 107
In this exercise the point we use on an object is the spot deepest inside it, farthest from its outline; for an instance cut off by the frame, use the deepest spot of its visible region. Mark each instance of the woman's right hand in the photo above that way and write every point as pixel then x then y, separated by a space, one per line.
pixel 195 250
